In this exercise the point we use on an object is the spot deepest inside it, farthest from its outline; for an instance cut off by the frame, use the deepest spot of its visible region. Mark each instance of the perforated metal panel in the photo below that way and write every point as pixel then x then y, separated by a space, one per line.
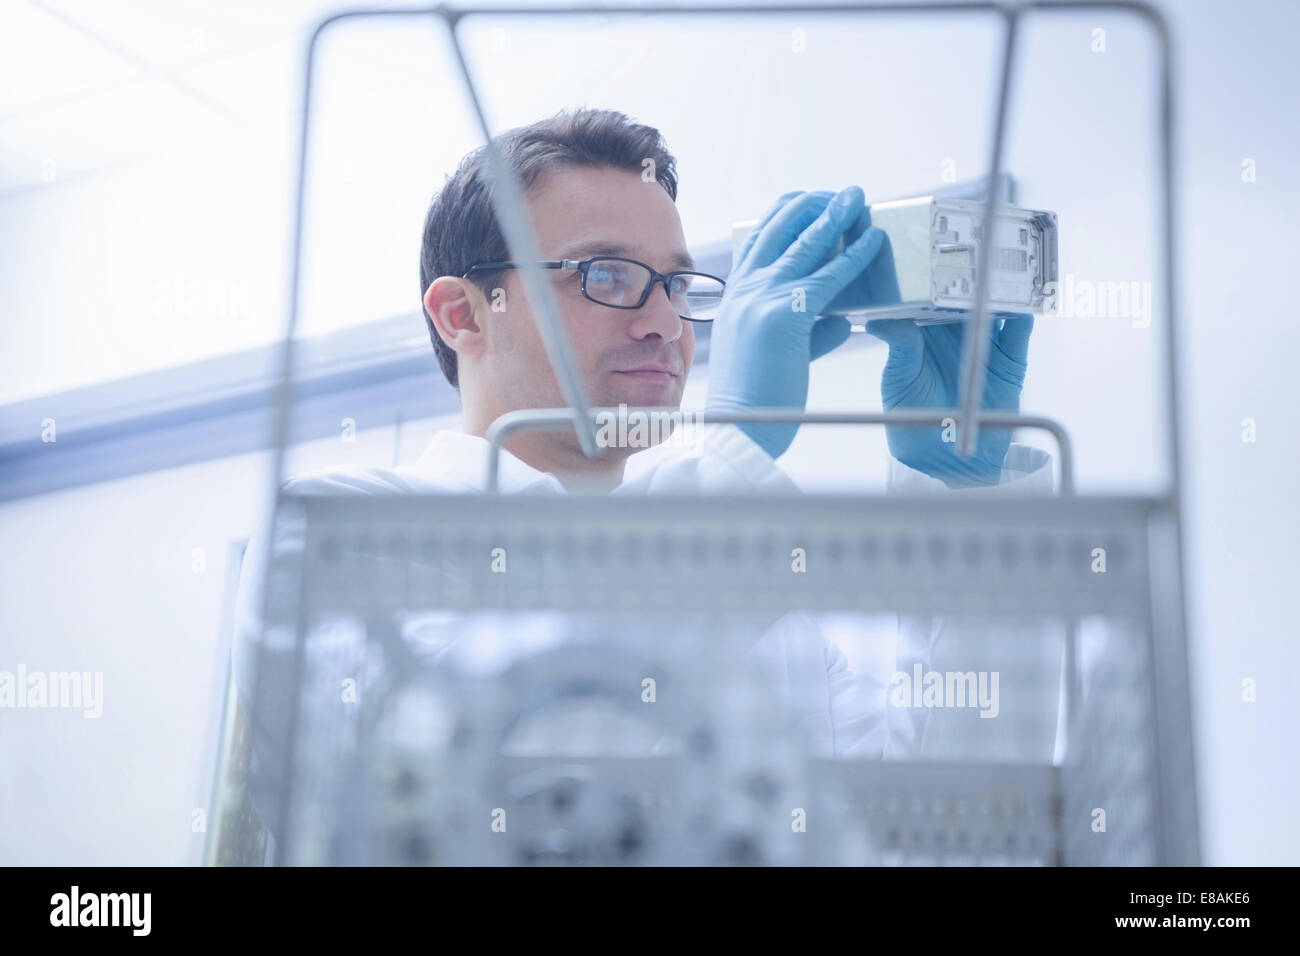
pixel 925 555
pixel 412 767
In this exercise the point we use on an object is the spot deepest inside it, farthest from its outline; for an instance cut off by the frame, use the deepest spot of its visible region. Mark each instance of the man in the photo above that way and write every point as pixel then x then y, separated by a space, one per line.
pixel 632 334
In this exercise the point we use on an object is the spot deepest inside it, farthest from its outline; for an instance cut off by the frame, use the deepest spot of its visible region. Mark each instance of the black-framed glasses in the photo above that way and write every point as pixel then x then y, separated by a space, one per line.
pixel 626 284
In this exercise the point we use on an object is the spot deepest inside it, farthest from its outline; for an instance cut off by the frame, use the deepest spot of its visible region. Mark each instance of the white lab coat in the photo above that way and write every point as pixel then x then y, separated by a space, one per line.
pixel 844 716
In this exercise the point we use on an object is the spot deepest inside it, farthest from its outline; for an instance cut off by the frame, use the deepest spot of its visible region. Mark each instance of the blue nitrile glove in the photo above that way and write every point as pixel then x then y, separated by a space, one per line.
pixel 923 371
pixel 766 331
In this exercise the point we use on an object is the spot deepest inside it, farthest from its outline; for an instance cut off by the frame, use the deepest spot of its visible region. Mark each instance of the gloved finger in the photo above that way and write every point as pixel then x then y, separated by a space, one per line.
pixel 813 246
pixel 828 333
pixel 904 337
pixel 786 226
pixel 762 223
pixel 1013 339
pixel 835 276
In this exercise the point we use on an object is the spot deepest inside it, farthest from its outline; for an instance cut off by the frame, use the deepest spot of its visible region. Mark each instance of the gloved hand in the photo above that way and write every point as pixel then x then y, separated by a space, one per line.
pixel 766 331
pixel 924 370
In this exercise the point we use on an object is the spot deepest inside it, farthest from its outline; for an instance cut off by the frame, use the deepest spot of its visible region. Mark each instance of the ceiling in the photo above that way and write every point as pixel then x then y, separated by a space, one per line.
pixel 89 84
pixel 86 84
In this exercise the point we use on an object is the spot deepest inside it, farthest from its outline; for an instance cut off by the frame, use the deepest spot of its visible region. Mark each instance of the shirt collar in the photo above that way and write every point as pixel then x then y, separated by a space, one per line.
pixel 459 460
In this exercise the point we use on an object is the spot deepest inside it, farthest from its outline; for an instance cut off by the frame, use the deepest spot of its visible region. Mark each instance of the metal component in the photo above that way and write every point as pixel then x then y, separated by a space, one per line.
pixel 975 344
pixel 541 418
pixel 929 554
pixel 427 759
pixel 512 212
pixel 522 742
pixel 927 269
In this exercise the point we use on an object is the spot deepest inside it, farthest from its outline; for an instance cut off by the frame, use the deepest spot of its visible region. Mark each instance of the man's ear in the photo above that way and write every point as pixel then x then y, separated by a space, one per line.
pixel 453 304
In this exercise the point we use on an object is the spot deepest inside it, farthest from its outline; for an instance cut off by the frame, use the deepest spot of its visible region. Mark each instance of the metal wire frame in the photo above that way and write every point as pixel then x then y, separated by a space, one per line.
pixel 507 199
pixel 558 418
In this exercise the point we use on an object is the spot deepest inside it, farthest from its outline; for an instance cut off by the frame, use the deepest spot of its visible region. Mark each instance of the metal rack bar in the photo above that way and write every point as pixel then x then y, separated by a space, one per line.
pixel 975 351
pixel 507 196
pixel 538 418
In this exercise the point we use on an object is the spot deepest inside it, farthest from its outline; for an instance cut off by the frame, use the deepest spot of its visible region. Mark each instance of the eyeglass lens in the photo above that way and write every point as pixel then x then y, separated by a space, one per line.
pixel 619 283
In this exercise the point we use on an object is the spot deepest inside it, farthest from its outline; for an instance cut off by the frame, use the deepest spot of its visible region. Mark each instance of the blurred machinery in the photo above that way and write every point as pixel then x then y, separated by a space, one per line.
pixel 559 755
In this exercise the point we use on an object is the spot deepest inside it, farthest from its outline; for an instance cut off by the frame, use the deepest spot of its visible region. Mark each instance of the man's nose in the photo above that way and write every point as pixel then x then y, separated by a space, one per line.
pixel 657 317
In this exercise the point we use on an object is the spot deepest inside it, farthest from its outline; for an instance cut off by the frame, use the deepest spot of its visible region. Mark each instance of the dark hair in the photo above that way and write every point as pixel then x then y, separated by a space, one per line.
pixel 461 227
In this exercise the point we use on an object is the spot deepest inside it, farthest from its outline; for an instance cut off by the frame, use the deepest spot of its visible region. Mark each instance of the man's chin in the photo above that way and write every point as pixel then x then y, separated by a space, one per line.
pixel 667 404
pixel 643 427
pixel 645 395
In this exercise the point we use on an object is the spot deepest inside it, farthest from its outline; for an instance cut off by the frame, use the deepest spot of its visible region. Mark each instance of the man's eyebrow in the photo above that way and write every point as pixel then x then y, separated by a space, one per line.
pixel 679 260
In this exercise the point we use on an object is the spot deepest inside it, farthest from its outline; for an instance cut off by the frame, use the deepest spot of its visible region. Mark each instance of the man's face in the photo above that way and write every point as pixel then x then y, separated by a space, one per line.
pixel 632 356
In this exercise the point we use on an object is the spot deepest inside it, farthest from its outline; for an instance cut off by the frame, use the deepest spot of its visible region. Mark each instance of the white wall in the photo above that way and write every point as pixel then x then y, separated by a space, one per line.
pixel 107 579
